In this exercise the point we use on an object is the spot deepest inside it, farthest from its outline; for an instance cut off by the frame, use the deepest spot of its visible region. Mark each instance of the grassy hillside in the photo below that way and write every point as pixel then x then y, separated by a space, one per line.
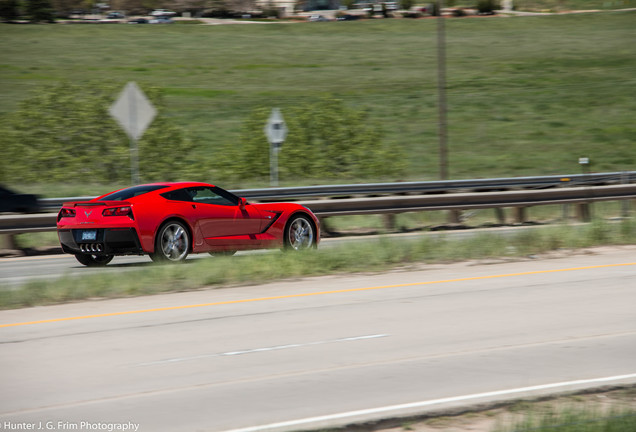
pixel 567 5
pixel 526 95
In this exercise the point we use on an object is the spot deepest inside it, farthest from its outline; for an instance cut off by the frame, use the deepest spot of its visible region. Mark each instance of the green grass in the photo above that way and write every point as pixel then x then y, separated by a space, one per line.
pixel 526 95
pixel 365 256
pixel 575 420
pixel 565 5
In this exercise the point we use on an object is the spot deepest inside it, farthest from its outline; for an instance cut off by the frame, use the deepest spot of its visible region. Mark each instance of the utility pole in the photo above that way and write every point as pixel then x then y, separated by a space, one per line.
pixel 441 94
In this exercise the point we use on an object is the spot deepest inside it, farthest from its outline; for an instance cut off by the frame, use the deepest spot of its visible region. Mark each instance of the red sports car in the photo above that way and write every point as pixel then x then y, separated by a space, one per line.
pixel 170 220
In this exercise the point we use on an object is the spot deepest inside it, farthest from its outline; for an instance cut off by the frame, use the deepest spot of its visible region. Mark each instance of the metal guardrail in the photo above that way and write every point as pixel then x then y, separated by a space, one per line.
pixel 400 203
pixel 28 223
pixel 474 200
pixel 445 186
pixel 401 188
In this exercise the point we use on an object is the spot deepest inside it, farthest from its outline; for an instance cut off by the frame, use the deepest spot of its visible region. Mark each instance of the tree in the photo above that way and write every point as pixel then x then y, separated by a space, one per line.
pixel 326 140
pixel 195 7
pixel 64 8
pixel 242 6
pixel 39 10
pixel 64 133
pixel 139 6
pixel 9 10
pixel 407 4
pixel 487 6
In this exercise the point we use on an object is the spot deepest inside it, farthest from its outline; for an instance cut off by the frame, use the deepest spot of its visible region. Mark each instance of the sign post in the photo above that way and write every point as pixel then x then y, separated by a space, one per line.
pixel 276 132
pixel 442 124
pixel 134 113
pixel 585 212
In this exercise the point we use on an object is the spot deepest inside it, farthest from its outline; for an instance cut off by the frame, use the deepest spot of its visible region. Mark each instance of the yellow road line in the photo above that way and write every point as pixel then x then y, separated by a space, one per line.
pixel 311 294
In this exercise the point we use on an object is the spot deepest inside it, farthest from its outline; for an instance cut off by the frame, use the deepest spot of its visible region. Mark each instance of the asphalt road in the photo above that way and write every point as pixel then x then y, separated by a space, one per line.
pixel 16 271
pixel 329 350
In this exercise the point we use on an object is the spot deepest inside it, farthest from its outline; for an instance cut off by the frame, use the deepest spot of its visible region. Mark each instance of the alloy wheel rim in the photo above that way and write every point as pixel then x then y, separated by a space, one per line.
pixel 174 242
pixel 301 234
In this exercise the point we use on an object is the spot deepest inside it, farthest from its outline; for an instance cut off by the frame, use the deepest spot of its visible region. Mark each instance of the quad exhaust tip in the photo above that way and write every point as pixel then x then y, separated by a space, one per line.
pixel 91 247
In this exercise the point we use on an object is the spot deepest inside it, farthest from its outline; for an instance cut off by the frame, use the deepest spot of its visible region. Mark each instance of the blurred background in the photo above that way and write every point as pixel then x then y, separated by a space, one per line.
pixel 530 89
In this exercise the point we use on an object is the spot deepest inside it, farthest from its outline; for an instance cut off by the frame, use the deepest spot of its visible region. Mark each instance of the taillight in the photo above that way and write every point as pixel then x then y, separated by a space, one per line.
pixel 118 211
pixel 65 212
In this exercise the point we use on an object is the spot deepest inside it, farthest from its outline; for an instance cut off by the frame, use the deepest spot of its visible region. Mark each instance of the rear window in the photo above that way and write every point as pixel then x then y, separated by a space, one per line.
pixel 131 192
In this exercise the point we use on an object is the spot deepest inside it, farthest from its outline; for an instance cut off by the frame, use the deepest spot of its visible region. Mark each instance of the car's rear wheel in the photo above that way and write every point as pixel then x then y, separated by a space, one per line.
pixel 172 243
pixel 300 233
pixel 93 260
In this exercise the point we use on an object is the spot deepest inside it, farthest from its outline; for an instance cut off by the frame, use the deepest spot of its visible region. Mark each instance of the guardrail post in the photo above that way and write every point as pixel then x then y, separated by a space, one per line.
pixel 566 212
pixel 8 241
pixel 520 215
pixel 389 221
pixel 324 226
pixel 455 216
pixel 625 203
pixel 500 212
pixel 583 211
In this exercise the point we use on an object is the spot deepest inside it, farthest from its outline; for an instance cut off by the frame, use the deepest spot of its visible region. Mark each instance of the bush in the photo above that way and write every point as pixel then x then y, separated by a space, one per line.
pixel 272 11
pixel 39 10
pixel 326 140
pixel 487 7
pixel 65 133
pixel 412 14
pixel 9 10
pixel 458 13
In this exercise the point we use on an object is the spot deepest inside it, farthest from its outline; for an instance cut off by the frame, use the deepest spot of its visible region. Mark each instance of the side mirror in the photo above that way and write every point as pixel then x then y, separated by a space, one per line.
pixel 242 203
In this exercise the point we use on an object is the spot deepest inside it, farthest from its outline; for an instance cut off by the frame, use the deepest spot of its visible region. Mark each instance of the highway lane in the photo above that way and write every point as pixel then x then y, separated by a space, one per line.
pixel 215 360
pixel 17 271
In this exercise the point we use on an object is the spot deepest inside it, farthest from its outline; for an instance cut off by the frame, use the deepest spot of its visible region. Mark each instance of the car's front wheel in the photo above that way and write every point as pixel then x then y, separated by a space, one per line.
pixel 300 233
pixel 172 243
pixel 93 260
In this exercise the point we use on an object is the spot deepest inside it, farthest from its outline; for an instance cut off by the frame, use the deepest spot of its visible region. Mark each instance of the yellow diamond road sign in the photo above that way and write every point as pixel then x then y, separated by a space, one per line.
pixel 133 111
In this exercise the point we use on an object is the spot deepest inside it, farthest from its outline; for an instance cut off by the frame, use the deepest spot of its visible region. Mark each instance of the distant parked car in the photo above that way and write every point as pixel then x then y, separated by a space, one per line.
pixel 348 17
pixel 13 202
pixel 115 15
pixel 317 18
pixel 138 21
pixel 162 13
pixel 161 20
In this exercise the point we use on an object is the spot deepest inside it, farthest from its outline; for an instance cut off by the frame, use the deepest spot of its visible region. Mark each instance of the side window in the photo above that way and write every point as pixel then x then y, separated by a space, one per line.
pixel 206 195
pixel 178 195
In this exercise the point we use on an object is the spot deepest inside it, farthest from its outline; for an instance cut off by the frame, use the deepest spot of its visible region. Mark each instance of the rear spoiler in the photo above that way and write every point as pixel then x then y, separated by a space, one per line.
pixel 96 204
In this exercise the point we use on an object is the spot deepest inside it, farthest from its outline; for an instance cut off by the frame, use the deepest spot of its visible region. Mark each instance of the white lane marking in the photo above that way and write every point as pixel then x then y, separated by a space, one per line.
pixel 264 349
pixel 423 404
